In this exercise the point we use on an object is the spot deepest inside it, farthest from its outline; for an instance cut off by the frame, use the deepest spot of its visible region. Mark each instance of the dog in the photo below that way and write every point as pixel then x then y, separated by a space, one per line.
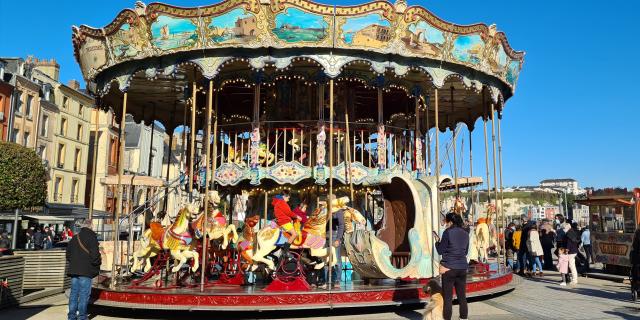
pixel 434 308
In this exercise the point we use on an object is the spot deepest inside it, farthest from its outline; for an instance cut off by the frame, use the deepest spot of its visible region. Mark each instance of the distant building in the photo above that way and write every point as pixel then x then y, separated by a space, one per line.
pixel 245 27
pixel 568 185
pixel 541 212
pixel 373 35
pixel 6 93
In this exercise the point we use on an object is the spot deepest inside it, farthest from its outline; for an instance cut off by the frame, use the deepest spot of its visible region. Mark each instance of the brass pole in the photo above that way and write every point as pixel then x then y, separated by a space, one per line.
pixel 486 151
pixel 193 138
pixel 493 143
pixel 504 221
pixel 472 209
pixel 347 151
pixel 330 198
pixel 207 146
pixel 94 165
pixel 455 137
pixel 116 233
pixel 434 218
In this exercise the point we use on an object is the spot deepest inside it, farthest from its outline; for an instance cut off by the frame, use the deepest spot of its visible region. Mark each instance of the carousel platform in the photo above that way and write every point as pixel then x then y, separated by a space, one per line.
pixel 254 298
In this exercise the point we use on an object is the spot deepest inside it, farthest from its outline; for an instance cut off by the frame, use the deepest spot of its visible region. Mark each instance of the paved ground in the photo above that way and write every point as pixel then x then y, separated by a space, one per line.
pixel 532 299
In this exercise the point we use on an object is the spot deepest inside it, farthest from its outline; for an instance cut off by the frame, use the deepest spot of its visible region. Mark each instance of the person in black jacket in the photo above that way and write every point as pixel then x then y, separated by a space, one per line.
pixel 83 257
pixel 453 247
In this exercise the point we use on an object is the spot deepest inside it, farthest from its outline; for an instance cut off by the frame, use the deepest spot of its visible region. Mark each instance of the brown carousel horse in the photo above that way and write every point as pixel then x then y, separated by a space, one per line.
pixel 176 238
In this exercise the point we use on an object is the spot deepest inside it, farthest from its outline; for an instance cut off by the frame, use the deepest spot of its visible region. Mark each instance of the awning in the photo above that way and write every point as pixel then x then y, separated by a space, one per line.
pixel 48 219
pixel 128 180
pixel 463 182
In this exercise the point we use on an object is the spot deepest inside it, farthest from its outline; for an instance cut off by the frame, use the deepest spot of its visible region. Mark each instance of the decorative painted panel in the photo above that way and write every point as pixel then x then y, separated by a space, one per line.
pixel 368 31
pixel 468 49
pixel 294 25
pixel 359 173
pixel 236 26
pixel 169 33
pixel 230 174
pixel 288 172
pixel 422 38
pixel 513 71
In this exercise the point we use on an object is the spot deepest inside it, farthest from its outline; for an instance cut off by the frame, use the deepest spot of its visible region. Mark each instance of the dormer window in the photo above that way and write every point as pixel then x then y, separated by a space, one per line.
pixel 1 71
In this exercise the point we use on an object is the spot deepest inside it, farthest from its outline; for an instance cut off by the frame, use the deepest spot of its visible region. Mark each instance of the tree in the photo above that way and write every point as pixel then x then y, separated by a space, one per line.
pixel 23 179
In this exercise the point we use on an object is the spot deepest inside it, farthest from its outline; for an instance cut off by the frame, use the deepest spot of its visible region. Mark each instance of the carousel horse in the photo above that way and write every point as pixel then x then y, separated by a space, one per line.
pixel 177 238
pixel 482 239
pixel 271 237
pixel 217 226
pixel 245 244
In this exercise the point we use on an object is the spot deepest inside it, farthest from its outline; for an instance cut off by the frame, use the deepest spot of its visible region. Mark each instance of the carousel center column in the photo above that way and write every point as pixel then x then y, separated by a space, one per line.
pixel 116 221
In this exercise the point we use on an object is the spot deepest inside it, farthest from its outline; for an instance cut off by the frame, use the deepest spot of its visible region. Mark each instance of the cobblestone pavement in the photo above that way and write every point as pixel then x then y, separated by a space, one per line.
pixel 532 299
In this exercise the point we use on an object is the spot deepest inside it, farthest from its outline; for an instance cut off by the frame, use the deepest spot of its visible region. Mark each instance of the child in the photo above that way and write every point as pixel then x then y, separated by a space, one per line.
pixel 563 265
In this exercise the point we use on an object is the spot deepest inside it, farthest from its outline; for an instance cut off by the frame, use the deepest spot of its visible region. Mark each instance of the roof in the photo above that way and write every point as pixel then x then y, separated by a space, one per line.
pixel 607 200
pixel 558 180
pixel 463 182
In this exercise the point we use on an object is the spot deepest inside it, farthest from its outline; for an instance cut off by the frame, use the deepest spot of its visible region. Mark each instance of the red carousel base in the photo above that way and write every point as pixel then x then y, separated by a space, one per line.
pixel 256 298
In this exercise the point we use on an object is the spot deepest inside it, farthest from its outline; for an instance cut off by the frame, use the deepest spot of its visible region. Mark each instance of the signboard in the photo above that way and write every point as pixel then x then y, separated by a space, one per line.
pixel 612 248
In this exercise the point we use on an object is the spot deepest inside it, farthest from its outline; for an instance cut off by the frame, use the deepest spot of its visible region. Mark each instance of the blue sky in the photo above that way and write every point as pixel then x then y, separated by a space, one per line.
pixel 574 113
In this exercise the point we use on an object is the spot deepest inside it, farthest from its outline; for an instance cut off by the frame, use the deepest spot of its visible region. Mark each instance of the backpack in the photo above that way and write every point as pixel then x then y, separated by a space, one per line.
pixel 516 239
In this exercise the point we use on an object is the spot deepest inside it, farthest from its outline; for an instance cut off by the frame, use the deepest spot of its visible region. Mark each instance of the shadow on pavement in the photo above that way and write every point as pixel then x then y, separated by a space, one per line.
pixel 600 293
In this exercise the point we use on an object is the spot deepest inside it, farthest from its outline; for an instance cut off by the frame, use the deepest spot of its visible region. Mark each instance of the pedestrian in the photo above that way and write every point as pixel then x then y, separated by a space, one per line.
pixel 586 244
pixel 5 243
pixel 547 240
pixel 453 248
pixel 29 238
pixel 48 239
pixel 560 234
pixel 523 250
pixel 83 257
pixel 38 239
pixel 572 240
pixel 534 248
pixel 508 244
pixel 517 235
pixel 67 234
pixel 563 265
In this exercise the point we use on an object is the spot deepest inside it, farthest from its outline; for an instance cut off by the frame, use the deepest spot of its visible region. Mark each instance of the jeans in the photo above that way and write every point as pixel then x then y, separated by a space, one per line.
pixel 510 263
pixel 534 261
pixel 522 258
pixel 589 252
pixel 457 278
pixel 79 297
pixel 548 258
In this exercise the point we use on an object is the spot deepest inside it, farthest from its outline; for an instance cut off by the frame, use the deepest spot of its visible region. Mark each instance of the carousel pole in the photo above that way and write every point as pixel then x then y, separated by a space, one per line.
pixel 192 143
pixel 472 209
pixel 347 152
pixel 116 233
pixel 486 150
pixel 455 137
pixel 427 136
pixel 207 145
pixel 166 190
pixel 94 165
pixel 149 167
pixel 418 164
pixel 495 180
pixel 434 218
pixel 504 220
pixel 330 200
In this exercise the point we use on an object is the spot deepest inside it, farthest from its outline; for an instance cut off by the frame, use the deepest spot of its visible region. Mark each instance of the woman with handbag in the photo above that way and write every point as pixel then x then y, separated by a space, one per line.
pixel 453 248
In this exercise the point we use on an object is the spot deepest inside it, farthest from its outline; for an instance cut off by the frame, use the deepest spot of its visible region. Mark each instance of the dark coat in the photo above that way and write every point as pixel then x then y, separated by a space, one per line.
pixel 82 263
pixel 453 247
pixel 573 241
pixel 635 248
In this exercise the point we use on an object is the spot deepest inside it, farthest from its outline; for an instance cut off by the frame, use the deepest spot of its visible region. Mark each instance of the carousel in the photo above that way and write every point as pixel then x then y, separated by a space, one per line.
pixel 337 109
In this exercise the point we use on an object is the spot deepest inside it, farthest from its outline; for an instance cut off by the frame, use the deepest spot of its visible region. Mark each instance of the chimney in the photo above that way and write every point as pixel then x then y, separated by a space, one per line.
pixel 73 84
pixel 49 67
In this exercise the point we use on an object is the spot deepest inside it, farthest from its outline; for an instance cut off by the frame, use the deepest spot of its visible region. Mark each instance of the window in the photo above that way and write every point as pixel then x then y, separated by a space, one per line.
pixel 26 138
pixel 42 151
pixel 113 152
pixel 29 101
pixel 19 106
pixel 81 109
pixel 74 191
pixel 15 135
pixel 77 157
pixel 63 126
pixel 79 133
pixel 57 189
pixel 44 126
pixel 65 102
pixel 61 151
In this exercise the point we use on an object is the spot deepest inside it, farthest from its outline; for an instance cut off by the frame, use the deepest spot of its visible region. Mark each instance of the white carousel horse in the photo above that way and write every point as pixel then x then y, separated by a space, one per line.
pixel 217 226
pixel 177 238
pixel 313 237
pixel 482 238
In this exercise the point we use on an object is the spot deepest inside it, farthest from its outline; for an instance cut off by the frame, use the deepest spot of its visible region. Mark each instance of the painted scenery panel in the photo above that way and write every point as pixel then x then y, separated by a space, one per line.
pixel 235 26
pixel 423 38
pixel 295 25
pixel 126 43
pixel 468 48
pixel 512 71
pixel 367 31
pixel 170 33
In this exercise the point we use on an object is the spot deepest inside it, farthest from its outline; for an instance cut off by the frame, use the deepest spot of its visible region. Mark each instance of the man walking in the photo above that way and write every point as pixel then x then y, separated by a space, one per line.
pixel 83 256
pixel 586 244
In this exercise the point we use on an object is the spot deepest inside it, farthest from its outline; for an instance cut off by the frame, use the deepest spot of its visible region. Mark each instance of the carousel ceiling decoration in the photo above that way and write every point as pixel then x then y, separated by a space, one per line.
pixel 158 38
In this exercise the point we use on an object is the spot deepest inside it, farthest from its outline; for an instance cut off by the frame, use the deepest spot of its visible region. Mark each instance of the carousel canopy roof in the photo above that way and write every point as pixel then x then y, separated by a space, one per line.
pixel 159 37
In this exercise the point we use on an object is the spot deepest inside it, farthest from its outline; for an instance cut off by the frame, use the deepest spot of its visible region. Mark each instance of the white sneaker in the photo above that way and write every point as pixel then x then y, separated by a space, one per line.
pixel 563 284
